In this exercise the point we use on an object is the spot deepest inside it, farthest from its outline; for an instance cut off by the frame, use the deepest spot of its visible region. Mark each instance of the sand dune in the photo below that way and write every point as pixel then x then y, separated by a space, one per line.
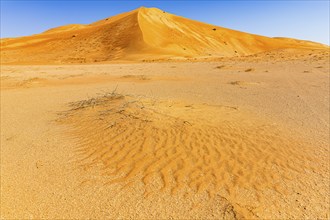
pixel 142 34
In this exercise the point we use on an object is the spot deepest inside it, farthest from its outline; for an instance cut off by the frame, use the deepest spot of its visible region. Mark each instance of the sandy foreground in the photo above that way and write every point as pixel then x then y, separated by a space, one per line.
pixel 233 138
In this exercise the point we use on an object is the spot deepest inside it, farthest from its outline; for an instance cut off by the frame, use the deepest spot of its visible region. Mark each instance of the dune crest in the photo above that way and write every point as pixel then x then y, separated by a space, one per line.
pixel 144 33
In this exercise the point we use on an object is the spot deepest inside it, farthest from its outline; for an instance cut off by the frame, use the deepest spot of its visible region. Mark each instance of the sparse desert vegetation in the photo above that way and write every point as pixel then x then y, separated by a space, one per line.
pixel 220 67
pixel 249 70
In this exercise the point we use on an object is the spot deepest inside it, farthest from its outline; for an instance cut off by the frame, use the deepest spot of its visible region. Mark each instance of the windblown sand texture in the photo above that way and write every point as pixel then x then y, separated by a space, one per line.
pixel 205 148
pixel 237 136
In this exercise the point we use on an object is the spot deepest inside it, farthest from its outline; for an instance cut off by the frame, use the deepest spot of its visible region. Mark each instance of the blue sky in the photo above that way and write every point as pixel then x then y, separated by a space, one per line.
pixel 302 19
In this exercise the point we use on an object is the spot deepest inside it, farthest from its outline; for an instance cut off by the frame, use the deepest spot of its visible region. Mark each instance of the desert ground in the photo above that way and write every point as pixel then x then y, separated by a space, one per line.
pixel 228 138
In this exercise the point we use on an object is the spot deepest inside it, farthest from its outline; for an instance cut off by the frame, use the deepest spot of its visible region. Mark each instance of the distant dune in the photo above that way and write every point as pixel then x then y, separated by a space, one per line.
pixel 142 34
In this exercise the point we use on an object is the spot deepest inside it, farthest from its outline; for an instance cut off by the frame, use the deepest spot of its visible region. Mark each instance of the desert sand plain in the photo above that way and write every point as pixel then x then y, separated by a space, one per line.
pixel 238 137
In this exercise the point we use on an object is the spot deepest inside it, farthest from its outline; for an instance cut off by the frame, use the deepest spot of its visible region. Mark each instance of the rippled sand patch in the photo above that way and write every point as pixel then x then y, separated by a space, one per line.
pixel 175 147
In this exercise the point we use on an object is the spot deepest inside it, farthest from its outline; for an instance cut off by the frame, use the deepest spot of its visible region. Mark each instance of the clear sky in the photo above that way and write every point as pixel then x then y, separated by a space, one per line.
pixel 302 19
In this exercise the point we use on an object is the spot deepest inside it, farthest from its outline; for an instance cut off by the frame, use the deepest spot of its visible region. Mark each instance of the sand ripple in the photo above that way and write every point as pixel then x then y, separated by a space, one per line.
pixel 177 147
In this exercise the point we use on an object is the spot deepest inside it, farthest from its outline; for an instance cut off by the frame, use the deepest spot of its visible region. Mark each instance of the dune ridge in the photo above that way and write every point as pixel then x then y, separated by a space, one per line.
pixel 141 34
